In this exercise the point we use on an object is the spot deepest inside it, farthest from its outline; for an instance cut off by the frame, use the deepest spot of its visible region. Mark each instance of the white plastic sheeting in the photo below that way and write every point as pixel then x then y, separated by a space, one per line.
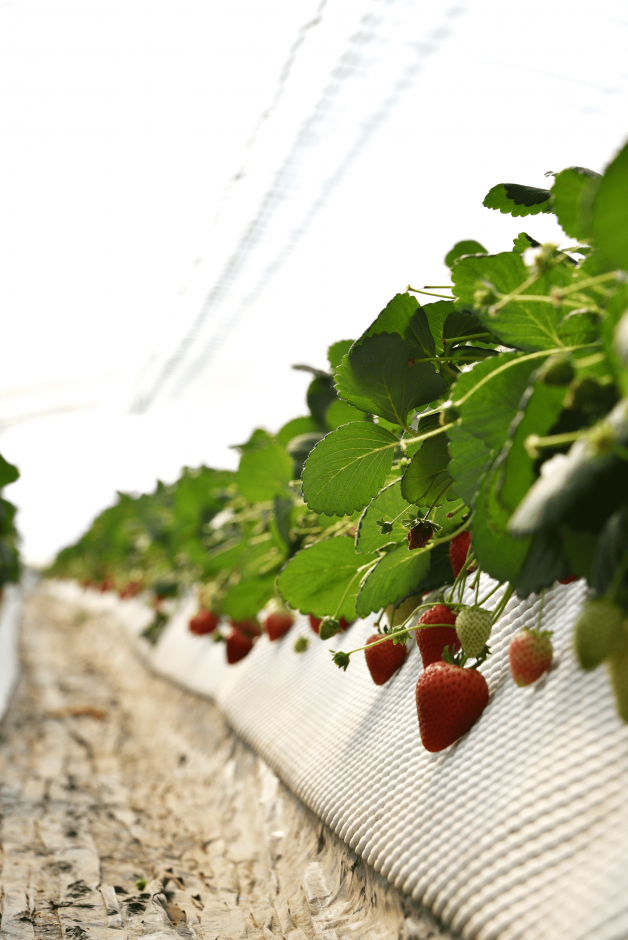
pixel 10 613
pixel 520 830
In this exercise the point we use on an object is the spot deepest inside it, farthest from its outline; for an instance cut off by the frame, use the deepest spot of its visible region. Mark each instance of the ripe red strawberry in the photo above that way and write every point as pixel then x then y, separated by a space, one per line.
pixel 249 627
pixel 572 577
pixel 449 700
pixel 384 659
pixel 433 640
pixel 419 535
pixel 458 551
pixel 277 624
pixel 131 589
pixel 238 646
pixel 530 655
pixel 315 623
pixel 205 621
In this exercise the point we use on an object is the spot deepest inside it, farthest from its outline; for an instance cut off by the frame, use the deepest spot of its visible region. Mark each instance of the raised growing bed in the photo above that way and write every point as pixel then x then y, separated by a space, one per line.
pixel 520 830
pixel 10 613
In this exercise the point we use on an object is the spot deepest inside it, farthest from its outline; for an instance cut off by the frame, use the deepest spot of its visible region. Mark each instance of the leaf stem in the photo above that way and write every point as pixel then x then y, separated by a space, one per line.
pixel 342 599
pixel 422 437
pixel 502 604
pixel 442 492
pixel 588 282
pixel 459 339
pixel 512 362
pixel 477 586
pixel 533 442
pixel 414 290
pixel 490 594
pixel 541 609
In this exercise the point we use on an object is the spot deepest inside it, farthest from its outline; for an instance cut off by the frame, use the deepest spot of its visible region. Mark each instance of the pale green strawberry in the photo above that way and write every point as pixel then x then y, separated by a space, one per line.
pixel 473 626
pixel 599 631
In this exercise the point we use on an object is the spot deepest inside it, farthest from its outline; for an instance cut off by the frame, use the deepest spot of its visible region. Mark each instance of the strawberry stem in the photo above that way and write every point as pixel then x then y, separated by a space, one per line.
pixel 502 604
pixel 490 594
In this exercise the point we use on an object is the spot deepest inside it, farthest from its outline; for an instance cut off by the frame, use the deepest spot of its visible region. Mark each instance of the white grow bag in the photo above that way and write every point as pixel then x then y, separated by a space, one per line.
pixel 520 830
pixel 10 615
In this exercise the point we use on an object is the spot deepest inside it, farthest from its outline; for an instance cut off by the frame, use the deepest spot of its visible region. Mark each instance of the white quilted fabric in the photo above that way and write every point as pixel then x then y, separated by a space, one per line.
pixel 10 612
pixel 520 830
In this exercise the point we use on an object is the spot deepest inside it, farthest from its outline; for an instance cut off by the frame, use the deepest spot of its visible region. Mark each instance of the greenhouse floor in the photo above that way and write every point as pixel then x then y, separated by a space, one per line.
pixel 129 809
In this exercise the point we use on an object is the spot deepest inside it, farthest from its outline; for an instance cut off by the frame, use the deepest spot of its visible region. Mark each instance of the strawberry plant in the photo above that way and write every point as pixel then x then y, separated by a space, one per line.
pixel 9 556
pixel 477 427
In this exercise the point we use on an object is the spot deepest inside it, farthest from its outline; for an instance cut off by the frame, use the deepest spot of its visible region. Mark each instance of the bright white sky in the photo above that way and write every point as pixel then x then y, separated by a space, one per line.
pixel 125 124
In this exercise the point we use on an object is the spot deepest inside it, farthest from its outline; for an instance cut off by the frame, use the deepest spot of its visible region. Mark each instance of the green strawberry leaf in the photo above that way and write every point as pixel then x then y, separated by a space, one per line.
pixel 404 316
pixel 259 438
pixel 610 212
pixel 324 579
pixel 341 412
pixel 468 247
pixel 348 468
pixel 247 598
pixel 495 388
pixel 470 458
pixel 518 200
pixel 320 394
pixel 528 325
pixel 295 428
pixel 545 563
pixel 389 505
pixel 579 328
pixel 437 314
pixel 540 409
pixel 264 473
pixel 224 557
pixel 337 351
pixel 462 323
pixel 524 241
pixel 396 574
pixel 573 193
pixel 580 549
pixel 284 510
pixel 262 557
pixel 379 376
pixel 8 473
pixel 450 516
pixel 427 474
pixel 439 573
pixel 499 553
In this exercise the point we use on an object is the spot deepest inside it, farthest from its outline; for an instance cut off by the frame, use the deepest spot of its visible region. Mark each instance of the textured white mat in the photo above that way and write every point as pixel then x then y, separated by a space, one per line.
pixel 10 613
pixel 518 831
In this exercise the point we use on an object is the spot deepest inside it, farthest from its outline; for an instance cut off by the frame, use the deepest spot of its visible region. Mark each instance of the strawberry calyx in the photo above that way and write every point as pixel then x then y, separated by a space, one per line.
pixel 341 659
pixel 329 627
pixel 461 659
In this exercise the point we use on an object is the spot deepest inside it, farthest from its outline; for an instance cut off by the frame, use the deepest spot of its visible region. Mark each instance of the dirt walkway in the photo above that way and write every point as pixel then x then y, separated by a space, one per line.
pixel 131 810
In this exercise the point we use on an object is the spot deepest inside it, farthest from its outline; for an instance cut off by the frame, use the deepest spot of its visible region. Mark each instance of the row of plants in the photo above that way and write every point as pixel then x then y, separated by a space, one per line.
pixel 9 552
pixel 478 426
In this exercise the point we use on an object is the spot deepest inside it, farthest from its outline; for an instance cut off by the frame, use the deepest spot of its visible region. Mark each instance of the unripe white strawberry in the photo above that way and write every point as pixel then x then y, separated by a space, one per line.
pixel 473 626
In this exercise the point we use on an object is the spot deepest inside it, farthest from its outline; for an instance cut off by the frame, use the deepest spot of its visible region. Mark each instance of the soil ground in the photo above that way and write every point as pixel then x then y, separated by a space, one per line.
pixel 130 809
